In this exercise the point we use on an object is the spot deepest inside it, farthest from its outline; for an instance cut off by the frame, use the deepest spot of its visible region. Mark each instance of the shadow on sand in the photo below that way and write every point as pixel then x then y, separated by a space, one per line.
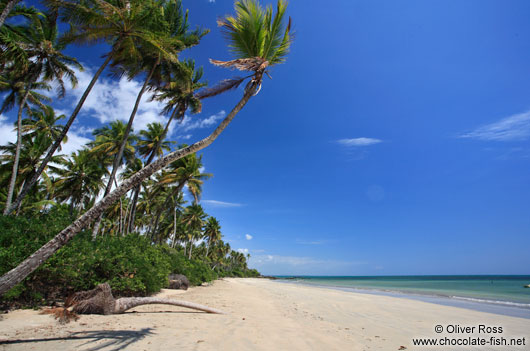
pixel 111 340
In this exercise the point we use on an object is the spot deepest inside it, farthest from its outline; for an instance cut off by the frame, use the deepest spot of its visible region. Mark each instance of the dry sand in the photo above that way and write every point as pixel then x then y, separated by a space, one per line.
pixel 261 315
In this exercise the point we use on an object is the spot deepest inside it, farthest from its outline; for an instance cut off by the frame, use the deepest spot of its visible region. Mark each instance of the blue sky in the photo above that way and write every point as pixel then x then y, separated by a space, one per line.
pixel 394 140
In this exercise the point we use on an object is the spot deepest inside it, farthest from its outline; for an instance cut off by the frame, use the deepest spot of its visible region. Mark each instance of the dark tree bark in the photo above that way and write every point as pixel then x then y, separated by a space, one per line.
pixel 17 274
pixel 28 185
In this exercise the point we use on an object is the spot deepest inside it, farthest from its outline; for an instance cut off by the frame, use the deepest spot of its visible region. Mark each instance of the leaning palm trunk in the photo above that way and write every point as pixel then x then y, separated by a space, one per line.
pixel 17 153
pixel 119 155
pixel 58 141
pixel 17 274
pixel 101 301
pixel 9 6
pixel 130 224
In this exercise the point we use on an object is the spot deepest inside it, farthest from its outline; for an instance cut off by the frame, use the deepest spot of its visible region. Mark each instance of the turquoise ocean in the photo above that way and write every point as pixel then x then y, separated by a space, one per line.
pixel 495 293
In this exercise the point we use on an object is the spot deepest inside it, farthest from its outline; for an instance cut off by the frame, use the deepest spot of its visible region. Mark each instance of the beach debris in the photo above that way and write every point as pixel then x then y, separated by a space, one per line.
pixel 402 348
pixel 178 281
pixel 101 301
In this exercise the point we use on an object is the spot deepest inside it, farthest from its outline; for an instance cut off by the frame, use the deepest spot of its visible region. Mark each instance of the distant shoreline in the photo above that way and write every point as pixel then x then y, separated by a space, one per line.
pixel 501 306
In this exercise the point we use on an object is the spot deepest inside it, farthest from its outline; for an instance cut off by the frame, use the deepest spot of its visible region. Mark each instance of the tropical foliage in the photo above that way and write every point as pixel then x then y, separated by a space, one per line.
pixel 158 183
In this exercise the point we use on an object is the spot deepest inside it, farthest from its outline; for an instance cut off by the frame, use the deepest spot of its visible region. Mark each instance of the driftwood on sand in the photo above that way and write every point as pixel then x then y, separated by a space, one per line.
pixel 101 301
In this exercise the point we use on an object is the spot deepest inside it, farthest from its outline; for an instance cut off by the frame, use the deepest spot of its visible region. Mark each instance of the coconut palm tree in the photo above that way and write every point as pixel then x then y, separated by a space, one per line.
pixel 193 218
pixel 277 44
pixel 151 141
pixel 212 232
pixel 46 62
pixel 80 180
pixel 43 121
pixel 126 25
pixel 179 93
pixel 186 171
pixel 108 142
pixel 172 25
pixel 33 148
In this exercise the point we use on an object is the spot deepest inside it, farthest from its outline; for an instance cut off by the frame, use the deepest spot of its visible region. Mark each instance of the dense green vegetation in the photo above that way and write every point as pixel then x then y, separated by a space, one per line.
pixel 144 228
pixel 131 264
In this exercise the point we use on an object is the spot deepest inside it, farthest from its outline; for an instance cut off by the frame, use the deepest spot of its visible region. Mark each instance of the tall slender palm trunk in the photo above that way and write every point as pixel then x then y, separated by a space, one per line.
pixel 117 160
pixel 137 190
pixel 30 264
pixel 5 12
pixel 58 141
pixel 174 227
pixel 14 173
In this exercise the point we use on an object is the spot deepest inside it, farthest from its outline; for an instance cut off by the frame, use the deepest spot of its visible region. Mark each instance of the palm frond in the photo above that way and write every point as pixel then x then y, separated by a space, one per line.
pixel 221 87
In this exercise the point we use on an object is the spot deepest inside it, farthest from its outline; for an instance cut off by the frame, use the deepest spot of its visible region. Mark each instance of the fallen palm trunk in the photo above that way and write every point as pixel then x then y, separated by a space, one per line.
pixel 101 301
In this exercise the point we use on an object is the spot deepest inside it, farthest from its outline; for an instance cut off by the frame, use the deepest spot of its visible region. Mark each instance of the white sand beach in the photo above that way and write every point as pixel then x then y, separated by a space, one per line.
pixel 261 315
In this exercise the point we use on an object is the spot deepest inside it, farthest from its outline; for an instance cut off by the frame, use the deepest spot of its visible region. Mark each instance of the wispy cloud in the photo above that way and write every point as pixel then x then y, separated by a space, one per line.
pixel 512 128
pixel 248 236
pixel 191 123
pixel 243 251
pixel 216 203
pixel 359 141
pixel 7 131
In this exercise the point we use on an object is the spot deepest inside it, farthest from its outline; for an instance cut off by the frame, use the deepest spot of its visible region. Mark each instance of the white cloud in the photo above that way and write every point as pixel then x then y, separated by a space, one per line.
pixel 359 141
pixel 75 142
pixel 215 203
pixel 112 100
pixel 7 131
pixel 248 236
pixel 191 123
pixel 243 251
pixel 512 128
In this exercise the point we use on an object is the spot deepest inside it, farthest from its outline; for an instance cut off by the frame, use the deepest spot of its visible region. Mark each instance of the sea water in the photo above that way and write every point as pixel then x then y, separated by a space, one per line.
pixel 503 294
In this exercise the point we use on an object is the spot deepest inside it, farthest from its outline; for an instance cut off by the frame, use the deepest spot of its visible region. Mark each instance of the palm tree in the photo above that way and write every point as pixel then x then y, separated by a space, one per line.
pixel 171 25
pixel 193 218
pixel 125 25
pixel 186 171
pixel 22 93
pixel 47 62
pixel 108 142
pixel 271 29
pixel 212 231
pixel 43 121
pixel 151 141
pixel 80 180
pixel 34 146
pixel 179 94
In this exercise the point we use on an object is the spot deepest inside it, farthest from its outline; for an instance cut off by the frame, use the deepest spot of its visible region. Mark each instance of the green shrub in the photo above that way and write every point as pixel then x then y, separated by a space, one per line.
pixel 130 264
